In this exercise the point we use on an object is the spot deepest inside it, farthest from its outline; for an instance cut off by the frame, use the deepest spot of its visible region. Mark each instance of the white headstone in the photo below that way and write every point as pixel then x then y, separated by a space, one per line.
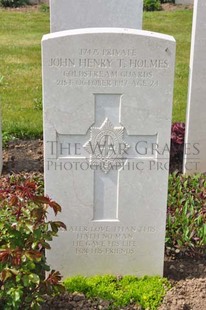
pixel 75 14
pixel 187 2
pixel 107 122
pixel 38 1
pixel 195 137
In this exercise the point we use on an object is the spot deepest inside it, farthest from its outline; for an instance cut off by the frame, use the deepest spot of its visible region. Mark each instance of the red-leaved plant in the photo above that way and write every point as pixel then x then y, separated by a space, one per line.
pixel 24 234
pixel 178 133
pixel 177 146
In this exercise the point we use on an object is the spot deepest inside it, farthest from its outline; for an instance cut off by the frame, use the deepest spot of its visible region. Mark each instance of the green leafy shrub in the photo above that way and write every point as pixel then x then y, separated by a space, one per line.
pixel 147 292
pixel 6 138
pixel 44 8
pixel 24 235
pixel 186 214
pixel 152 5
pixel 13 3
pixel 167 1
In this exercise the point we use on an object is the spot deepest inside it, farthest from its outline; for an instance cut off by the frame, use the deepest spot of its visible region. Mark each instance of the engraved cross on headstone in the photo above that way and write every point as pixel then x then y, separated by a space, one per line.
pixel 108 148
pixel 104 149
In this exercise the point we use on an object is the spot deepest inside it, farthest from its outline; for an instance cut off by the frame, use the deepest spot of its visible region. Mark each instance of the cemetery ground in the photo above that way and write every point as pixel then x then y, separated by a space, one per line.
pixel 186 274
pixel 20 87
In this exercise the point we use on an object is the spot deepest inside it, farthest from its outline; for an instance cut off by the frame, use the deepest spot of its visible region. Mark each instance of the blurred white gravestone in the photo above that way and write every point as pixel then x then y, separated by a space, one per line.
pixel 75 14
pixel 195 136
pixel 187 2
pixel 107 96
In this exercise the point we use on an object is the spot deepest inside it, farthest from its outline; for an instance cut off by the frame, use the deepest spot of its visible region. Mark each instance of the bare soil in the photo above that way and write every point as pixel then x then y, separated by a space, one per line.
pixel 188 279
pixel 175 7
pixel 26 8
pixel 187 275
pixel 23 155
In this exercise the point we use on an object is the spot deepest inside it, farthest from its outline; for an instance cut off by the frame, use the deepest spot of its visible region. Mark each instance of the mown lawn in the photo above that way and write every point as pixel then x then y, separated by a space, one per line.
pixel 20 65
pixel 179 25
pixel 20 71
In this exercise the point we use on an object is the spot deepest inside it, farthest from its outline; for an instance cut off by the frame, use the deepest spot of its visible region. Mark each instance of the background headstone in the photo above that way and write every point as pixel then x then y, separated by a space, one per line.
pixel 75 14
pixel 38 1
pixel 184 2
pixel 107 120
pixel 195 137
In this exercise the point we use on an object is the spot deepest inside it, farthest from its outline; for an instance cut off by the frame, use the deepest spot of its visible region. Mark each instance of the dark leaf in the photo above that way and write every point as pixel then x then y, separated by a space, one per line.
pixel 54 277
pixel 55 206
pixel 60 224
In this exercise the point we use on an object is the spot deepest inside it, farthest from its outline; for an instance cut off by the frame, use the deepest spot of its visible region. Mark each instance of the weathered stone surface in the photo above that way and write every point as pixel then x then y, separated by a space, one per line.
pixel 74 14
pixel 195 137
pixel 107 121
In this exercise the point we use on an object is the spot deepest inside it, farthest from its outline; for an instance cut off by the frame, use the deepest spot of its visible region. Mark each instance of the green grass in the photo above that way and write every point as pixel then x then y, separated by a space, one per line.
pixel 20 71
pixel 179 25
pixel 20 65
pixel 148 292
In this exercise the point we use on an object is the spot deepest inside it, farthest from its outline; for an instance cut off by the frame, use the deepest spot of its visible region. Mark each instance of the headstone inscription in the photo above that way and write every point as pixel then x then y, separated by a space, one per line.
pixel 107 120
pixel 75 14
pixel 195 136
